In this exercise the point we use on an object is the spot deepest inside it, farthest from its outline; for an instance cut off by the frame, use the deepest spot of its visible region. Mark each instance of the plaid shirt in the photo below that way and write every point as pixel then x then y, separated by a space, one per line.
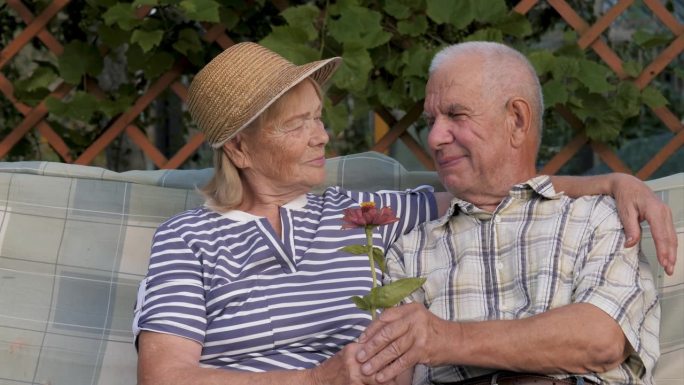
pixel 537 251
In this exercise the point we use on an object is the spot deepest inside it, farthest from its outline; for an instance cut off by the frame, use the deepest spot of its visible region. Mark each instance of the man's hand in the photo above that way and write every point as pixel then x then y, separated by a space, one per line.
pixel 398 340
pixel 636 202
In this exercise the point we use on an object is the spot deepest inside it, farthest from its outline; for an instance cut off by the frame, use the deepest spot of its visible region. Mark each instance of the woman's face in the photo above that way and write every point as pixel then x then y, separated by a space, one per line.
pixel 288 152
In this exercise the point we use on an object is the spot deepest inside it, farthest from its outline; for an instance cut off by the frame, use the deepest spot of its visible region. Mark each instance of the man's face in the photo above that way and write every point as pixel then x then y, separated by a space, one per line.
pixel 466 138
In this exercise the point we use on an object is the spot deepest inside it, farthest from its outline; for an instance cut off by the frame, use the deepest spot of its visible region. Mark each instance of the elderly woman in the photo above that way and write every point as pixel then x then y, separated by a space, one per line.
pixel 253 281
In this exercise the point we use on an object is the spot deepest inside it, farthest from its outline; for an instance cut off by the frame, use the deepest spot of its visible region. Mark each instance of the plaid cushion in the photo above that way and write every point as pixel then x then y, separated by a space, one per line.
pixel 74 243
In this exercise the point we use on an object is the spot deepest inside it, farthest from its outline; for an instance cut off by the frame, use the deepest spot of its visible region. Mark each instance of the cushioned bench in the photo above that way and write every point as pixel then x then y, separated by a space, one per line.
pixel 74 243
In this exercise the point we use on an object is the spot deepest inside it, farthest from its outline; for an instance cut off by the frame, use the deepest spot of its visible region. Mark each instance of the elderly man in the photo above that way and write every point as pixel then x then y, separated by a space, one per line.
pixel 520 278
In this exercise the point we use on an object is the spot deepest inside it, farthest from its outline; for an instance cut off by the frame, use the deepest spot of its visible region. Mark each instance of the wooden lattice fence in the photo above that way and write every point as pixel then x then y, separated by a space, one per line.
pixel 591 38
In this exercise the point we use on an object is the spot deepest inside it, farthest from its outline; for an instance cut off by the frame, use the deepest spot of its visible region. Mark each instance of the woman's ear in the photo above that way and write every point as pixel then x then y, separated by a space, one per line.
pixel 234 149
pixel 519 121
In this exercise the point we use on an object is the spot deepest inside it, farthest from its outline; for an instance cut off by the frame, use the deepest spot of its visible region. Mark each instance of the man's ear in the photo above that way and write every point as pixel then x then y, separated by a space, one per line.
pixel 519 121
pixel 235 150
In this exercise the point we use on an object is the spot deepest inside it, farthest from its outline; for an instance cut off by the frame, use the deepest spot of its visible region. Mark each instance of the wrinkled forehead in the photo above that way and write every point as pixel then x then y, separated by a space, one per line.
pixel 447 87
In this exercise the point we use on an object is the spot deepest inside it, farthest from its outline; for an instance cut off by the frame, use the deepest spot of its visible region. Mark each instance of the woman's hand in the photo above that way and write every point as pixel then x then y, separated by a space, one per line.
pixel 343 369
pixel 636 202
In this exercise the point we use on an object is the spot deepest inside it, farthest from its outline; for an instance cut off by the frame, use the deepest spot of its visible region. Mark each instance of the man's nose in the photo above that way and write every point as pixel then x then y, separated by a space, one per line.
pixel 439 134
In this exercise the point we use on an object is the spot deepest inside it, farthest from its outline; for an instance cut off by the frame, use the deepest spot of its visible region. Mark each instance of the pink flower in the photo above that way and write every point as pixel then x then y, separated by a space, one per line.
pixel 367 215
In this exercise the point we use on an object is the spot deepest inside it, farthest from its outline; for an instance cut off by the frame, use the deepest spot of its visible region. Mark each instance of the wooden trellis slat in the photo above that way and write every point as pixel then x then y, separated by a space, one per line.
pixel 590 37
pixel 31 30
pixel 131 114
pixel 594 32
pixel 565 154
pixel 665 16
pixel 651 166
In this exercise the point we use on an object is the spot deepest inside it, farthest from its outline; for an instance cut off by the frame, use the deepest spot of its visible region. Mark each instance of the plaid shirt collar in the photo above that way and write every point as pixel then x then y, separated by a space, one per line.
pixel 540 185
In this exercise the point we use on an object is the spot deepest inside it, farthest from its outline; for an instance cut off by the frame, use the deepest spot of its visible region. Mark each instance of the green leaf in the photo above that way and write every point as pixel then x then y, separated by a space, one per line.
pixel 653 98
pixel 486 34
pixel 379 259
pixel 488 11
pixel 147 39
pixel 390 97
pixel 679 72
pixel 361 303
pixel 417 61
pixel 32 98
pixel 303 17
pixel 77 60
pixel 337 7
pixel 229 18
pixel 554 93
pixel 360 26
pixel 632 68
pixel 336 117
pixel 81 107
pixel 113 36
pixel 397 10
pixel 415 27
pixel 188 41
pixel 605 128
pixel 651 40
pixel 41 78
pixel 356 249
pixel 386 296
pixel 515 24
pixel 627 99
pixel 355 69
pixel 565 67
pixel 111 108
pixel 593 76
pixel 458 13
pixel 542 61
pixel 201 10
pixel 152 64
pixel 592 104
pixel 416 88
pixel 292 43
pixel 138 3
pixel 121 14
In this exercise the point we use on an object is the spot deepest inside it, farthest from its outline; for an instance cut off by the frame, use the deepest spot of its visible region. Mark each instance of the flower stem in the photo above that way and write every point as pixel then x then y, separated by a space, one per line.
pixel 369 242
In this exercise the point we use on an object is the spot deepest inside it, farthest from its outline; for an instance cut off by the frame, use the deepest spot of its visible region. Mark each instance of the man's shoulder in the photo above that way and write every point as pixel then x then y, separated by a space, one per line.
pixel 595 208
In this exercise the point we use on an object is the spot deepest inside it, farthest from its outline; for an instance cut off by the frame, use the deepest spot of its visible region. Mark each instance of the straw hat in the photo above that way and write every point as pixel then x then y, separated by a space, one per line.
pixel 240 83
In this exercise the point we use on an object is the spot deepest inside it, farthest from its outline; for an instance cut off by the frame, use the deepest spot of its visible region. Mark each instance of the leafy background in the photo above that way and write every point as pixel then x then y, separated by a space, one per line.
pixel 386 45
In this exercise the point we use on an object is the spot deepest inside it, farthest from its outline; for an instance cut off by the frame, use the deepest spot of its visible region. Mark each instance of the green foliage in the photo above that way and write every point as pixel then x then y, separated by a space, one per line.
pixel 387 46
pixel 79 59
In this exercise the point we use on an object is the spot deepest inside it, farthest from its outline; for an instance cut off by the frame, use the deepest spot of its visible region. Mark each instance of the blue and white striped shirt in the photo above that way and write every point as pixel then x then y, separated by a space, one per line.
pixel 257 302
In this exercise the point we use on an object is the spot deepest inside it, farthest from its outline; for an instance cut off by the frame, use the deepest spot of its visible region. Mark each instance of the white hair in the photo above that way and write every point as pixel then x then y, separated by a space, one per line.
pixel 507 72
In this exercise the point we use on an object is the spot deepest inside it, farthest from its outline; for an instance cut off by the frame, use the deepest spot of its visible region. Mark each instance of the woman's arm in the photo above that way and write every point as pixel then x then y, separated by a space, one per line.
pixel 636 202
pixel 165 359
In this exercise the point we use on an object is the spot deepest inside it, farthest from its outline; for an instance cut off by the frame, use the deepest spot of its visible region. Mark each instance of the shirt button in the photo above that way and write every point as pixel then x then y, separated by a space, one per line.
pixel 499 266
pixel 497 220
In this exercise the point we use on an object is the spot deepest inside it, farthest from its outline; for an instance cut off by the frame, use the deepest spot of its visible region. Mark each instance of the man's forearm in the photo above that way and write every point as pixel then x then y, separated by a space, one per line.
pixel 578 338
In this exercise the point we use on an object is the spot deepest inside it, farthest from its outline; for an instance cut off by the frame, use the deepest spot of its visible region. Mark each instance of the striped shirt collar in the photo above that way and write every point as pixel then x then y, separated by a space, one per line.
pixel 242 216
pixel 540 185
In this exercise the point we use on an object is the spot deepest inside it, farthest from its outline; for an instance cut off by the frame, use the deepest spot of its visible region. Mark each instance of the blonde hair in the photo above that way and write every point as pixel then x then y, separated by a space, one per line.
pixel 224 191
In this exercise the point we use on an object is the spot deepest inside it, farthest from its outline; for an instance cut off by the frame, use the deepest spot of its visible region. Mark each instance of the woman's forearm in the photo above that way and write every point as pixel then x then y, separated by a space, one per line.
pixel 577 186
